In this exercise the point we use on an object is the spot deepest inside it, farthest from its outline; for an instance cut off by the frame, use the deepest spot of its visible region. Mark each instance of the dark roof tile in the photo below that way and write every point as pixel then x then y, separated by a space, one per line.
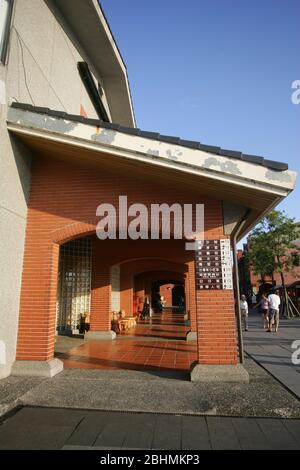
pixel 150 135
pixel 192 144
pixel 231 153
pixel 169 139
pixel 210 148
pixel 253 159
pixel 279 166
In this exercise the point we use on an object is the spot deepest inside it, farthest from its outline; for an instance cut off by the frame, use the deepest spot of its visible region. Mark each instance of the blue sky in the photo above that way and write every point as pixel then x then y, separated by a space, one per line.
pixel 218 71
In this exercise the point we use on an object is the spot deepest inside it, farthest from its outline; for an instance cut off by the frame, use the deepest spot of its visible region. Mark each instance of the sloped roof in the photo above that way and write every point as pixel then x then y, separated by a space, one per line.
pixel 274 165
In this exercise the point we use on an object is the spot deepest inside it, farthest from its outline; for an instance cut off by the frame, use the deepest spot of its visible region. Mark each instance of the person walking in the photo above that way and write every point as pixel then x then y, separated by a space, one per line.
pixel 263 304
pixel 244 312
pixel 274 304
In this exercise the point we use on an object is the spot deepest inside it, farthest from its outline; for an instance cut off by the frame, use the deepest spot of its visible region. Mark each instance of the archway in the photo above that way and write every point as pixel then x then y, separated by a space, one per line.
pixel 114 284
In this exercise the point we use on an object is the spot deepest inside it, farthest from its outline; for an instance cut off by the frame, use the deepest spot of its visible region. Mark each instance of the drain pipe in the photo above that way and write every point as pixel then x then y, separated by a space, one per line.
pixel 237 285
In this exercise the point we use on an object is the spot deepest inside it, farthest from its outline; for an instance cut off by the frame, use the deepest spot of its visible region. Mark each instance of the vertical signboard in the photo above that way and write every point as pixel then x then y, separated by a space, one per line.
pixel 213 265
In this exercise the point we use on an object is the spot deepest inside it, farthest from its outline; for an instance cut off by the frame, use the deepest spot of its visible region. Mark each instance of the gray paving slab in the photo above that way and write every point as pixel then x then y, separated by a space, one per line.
pixel 114 431
pixel 47 417
pixel 222 434
pixel 146 431
pixel 249 434
pixel 195 433
pixel 33 436
pixel 295 388
pixel 87 431
pixel 167 433
pixel 293 426
pixel 273 350
pixel 277 434
pixel 140 431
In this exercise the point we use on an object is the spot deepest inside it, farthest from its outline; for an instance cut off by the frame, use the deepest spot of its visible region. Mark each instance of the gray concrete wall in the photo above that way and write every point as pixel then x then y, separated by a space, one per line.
pixel 42 67
pixel 41 70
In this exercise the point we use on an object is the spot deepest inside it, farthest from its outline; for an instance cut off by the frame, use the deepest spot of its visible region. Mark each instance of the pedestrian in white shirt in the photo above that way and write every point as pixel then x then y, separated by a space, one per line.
pixel 244 312
pixel 274 303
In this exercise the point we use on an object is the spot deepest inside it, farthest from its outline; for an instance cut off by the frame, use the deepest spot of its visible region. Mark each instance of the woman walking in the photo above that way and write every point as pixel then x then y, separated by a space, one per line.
pixel 263 304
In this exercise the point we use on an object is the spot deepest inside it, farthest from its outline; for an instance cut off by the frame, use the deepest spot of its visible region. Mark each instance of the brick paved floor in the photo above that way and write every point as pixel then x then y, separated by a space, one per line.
pixel 158 344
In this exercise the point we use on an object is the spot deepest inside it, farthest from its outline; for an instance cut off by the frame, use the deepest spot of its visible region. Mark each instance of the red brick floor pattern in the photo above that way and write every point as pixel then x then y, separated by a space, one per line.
pixel 168 350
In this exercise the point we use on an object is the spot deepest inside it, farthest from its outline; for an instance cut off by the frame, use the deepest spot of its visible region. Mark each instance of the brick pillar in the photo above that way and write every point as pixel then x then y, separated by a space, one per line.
pixel 192 334
pixel 100 319
pixel 216 327
pixel 36 333
pixel 215 319
pixel 100 298
pixel 192 294
pixel 38 303
pixel 187 294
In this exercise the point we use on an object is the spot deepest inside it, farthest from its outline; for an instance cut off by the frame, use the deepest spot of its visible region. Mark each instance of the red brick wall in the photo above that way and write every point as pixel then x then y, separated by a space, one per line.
pixel 62 206
pixel 216 326
pixel 289 278
pixel 101 290
pixel 216 322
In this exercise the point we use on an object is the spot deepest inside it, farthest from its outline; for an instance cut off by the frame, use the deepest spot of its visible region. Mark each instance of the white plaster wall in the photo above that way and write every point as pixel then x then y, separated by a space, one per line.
pixel 41 70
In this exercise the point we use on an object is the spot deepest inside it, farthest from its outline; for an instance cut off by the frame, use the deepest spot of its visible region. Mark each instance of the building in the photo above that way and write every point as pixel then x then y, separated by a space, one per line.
pixel 253 283
pixel 70 144
pixel 42 44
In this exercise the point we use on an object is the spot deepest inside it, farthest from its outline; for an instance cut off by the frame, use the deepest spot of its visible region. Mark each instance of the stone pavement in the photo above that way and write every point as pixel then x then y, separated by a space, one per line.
pixel 156 392
pixel 160 408
pixel 273 351
pixel 50 428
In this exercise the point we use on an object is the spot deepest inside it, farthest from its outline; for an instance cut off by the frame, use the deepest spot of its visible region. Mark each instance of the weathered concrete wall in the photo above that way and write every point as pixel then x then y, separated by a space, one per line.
pixel 15 164
pixel 41 70
pixel 42 66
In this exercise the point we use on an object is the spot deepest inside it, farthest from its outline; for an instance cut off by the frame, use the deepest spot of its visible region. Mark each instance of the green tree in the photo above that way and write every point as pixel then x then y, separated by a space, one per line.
pixel 259 257
pixel 272 247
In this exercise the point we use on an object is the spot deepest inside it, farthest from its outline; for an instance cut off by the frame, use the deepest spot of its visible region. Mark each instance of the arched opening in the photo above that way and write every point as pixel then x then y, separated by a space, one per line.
pixel 95 283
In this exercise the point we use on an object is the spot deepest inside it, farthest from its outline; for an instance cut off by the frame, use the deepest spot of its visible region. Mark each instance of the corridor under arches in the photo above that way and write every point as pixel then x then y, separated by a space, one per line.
pixel 86 300
pixel 152 348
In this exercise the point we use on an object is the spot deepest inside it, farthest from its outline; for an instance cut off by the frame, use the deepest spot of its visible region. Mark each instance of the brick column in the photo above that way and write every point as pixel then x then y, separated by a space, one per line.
pixel 216 323
pixel 36 332
pixel 100 319
pixel 216 327
pixel 192 334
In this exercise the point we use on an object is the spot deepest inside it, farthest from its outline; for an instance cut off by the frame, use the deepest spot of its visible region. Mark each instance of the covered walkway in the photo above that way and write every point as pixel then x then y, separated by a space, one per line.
pixel 155 344
pixel 82 166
